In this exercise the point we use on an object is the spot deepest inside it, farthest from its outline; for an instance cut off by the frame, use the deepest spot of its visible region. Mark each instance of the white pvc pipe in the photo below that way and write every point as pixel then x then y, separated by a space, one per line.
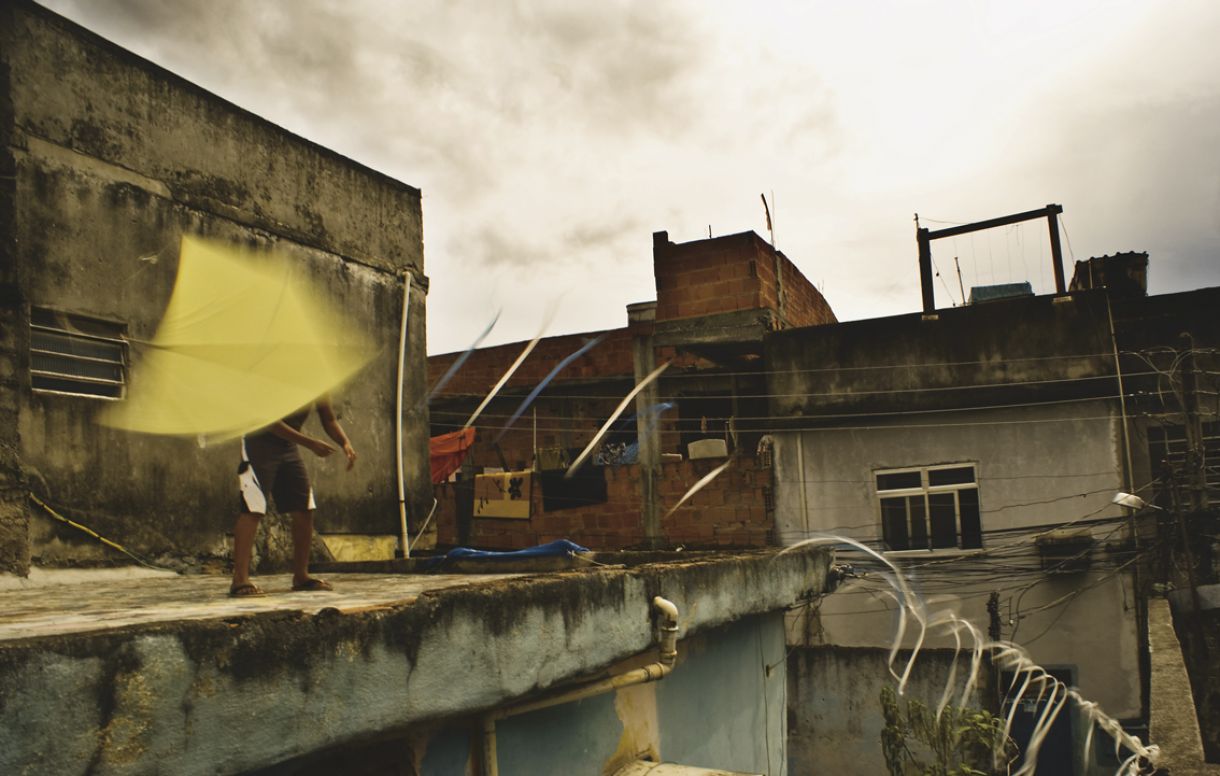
pixel 402 357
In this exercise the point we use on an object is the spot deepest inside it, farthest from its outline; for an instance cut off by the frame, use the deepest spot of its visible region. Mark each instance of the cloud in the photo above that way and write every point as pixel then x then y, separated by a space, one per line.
pixel 551 138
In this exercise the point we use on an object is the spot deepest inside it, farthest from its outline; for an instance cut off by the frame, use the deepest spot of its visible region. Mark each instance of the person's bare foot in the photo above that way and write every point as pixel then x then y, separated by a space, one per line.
pixel 311 585
pixel 245 590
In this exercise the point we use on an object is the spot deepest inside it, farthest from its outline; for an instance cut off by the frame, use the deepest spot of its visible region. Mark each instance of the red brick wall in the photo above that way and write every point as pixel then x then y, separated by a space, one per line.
pixel 728 274
pixel 704 277
pixel 730 512
pixel 486 365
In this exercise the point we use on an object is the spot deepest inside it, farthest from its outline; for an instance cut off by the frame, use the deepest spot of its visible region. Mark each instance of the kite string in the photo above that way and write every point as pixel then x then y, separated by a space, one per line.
pixel 545 381
pixel 580 459
pixel 457 364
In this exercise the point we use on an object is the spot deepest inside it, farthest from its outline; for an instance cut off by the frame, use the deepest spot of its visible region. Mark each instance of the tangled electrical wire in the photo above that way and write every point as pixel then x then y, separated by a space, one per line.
pixel 1028 676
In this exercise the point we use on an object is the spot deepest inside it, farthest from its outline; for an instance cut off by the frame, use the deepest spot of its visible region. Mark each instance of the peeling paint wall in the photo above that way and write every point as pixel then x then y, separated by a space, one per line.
pixel 114 160
pixel 720 708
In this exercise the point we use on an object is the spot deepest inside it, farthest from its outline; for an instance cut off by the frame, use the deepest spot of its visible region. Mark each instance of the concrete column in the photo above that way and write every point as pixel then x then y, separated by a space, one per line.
pixel 641 318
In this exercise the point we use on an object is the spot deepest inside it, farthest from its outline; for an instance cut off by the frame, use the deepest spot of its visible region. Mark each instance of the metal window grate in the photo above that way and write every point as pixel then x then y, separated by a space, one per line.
pixel 75 355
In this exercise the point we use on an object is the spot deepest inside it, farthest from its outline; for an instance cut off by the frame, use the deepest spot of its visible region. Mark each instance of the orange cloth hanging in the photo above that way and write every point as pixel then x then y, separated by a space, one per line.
pixel 447 452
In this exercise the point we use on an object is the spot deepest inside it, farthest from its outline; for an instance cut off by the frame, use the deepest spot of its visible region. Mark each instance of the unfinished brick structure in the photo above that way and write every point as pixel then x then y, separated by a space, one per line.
pixel 715 300
pixel 734 511
pixel 731 274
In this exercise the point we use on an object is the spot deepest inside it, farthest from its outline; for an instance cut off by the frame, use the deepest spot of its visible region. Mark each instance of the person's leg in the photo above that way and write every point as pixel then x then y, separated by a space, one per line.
pixel 251 474
pixel 302 544
pixel 244 531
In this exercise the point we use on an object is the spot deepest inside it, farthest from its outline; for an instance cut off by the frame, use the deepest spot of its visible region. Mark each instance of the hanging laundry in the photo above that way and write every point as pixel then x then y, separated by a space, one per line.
pixel 502 494
pixel 447 452
pixel 586 486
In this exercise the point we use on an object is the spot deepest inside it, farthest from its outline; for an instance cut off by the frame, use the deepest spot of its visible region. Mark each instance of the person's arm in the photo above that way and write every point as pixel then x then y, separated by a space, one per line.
pixel 335 431
pixel 317 446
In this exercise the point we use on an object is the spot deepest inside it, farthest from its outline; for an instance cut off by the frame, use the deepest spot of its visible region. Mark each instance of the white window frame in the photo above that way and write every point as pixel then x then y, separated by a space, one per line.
pixel 90 386
pixel 925 489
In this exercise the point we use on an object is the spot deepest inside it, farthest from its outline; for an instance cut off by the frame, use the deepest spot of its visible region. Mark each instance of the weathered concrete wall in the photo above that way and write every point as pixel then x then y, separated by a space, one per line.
pixel 14 522
pixel 904 362
pixel 228 695
pixel 720 708
pixel 1024 483
pixel 1173 724
pixel 115 159
pixel 1035 466
pixel 834 701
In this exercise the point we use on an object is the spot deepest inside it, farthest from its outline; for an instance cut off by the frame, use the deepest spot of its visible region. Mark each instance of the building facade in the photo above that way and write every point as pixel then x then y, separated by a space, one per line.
pixel 979 449
pixel 106 161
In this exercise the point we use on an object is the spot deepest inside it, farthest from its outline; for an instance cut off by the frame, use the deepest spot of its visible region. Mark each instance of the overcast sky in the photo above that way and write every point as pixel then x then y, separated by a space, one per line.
pixel 551 139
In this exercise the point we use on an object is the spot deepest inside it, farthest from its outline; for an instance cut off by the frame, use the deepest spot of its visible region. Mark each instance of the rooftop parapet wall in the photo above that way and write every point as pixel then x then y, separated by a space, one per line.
pixel 1036 349
pixel 167 695
pixel 112 105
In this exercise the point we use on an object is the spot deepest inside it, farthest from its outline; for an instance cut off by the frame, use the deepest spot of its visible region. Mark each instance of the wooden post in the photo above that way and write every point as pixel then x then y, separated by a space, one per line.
pixel 925 270
pixel 1052 218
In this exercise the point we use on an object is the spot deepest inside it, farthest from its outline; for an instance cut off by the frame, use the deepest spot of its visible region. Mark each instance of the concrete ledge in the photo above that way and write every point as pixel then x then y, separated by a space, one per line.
pixel 247 688
pixel 1172 723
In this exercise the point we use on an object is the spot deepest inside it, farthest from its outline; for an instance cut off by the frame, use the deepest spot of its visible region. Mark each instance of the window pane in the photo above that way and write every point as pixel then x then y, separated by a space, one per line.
pixel 951 476
pixel 898 481
pixel 944 520
pixel 972 529
pixel 919 522
pixel 894 523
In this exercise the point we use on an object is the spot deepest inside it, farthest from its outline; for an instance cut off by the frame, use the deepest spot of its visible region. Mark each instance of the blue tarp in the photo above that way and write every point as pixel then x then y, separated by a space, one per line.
pixel 556 549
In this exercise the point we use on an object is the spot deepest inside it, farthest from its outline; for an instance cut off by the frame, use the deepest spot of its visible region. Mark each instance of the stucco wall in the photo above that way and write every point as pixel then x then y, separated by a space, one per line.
pixel 1036 467
pixel 834 699
pixel 115 160
pixel 719 709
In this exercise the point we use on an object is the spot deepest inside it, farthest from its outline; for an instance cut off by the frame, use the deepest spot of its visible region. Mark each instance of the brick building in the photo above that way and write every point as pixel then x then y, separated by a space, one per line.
pixel 716 298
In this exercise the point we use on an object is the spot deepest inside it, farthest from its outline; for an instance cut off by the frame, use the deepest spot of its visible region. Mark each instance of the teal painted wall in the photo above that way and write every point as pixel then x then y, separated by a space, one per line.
pixel 718 709
pixel 721 709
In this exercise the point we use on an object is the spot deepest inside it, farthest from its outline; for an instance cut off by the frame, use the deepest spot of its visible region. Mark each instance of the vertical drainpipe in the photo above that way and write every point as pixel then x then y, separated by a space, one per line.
pixel 641 319
pixel 404 540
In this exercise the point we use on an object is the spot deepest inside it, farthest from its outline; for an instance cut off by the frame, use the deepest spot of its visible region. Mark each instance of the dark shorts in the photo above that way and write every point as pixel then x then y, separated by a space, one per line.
pixel 270 470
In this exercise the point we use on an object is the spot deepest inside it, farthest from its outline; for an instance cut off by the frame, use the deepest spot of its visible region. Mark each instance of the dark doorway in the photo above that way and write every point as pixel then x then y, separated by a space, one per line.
pixel 1056 756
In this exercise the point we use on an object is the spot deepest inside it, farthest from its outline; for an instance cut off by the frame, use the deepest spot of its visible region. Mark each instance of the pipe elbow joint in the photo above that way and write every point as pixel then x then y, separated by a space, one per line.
pixel 667 608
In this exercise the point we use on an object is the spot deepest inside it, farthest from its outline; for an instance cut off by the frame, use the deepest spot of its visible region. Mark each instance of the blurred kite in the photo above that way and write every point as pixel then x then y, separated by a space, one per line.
pixel 243 343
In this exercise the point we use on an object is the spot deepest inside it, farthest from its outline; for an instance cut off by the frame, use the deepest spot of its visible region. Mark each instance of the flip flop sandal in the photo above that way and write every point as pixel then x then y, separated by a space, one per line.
pixel 246 590
pixel 311 586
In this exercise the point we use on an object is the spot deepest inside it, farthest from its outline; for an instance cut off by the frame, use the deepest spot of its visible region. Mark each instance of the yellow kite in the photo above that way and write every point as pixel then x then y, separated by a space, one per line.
pixel 242 344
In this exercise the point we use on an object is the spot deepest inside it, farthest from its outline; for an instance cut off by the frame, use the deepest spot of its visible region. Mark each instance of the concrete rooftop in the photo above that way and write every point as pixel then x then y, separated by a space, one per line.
pixel 167 674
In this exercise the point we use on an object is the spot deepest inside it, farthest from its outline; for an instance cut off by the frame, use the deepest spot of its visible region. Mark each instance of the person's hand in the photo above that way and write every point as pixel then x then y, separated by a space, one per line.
pixel 320 448
pixel 350 452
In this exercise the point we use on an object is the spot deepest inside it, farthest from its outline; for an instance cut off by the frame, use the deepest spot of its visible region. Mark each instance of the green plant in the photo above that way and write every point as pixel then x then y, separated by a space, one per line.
pixel 961 742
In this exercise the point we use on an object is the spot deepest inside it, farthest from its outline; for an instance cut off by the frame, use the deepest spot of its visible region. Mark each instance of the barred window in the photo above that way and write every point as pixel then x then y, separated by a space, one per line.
pixel 77 355
pixel 930 508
